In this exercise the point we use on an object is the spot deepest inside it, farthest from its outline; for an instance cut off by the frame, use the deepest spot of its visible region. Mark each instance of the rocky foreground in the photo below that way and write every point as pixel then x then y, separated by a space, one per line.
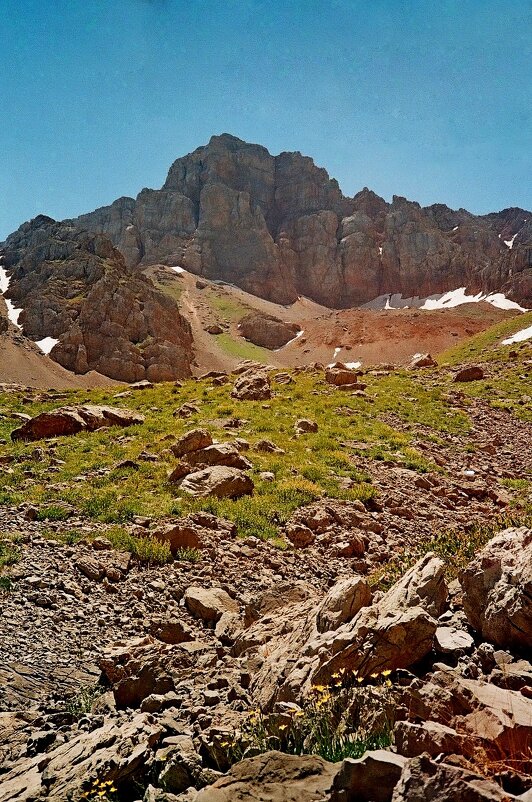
pixel 382 654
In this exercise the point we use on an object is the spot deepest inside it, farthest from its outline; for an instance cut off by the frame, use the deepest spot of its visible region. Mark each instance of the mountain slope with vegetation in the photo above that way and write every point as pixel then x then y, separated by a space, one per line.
pixel 366 588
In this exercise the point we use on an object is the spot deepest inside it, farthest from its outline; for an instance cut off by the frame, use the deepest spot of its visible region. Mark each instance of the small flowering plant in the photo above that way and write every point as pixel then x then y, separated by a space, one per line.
pixel 351 714
pixel 100 791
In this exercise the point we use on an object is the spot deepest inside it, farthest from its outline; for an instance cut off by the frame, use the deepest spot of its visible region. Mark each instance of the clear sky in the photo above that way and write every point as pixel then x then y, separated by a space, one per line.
pixel 423 98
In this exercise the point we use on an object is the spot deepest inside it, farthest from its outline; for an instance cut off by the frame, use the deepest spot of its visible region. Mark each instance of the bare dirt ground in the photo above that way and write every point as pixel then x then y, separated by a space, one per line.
pixel 22 362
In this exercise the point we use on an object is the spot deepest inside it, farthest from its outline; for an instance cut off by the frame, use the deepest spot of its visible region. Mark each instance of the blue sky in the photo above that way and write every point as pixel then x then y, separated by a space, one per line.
pixel 425 99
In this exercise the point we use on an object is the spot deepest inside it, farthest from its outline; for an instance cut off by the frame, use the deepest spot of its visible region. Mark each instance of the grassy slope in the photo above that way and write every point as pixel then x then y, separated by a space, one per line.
pixel 311 466
pixel 86 475
pixel 511 380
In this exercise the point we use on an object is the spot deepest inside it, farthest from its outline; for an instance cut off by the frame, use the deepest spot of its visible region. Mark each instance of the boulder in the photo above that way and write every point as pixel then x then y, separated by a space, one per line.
pixel 191 441
pixel 469 374
pixel 71 420
pixel 488 718
pixel 449 640
pixel 371 778
pixel 209 604
pixel 305 426
pixel 299 535
pixel 218 454
pixel 220 481
pixel 273 777
pixel 340 376
pixel 423 361
pixel 170 630
pixel 429 737
pixel 497 589
pixel 252 386
pixel 342 603
pixel 267 331
pixel 424 779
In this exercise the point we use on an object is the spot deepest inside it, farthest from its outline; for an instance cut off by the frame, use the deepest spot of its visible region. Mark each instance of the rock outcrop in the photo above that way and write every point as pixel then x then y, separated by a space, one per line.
pixel 71 420
pixel 267 331
pixel 497 588
pixel 75 287
pixel 279 227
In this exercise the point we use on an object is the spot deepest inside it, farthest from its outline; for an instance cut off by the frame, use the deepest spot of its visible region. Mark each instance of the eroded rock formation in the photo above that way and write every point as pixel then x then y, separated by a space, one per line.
pixel 75 287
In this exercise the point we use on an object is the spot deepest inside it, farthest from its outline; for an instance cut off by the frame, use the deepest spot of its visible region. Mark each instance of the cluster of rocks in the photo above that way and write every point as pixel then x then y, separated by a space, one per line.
pixel 209 469
pixel 204 653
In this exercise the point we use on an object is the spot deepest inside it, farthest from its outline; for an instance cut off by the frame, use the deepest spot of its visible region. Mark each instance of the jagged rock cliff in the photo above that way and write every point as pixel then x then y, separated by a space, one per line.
pixel 279 227
pixel 75 287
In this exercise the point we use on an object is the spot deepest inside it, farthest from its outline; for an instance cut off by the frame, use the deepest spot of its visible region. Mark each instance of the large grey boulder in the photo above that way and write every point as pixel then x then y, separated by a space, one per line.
pixel 497 589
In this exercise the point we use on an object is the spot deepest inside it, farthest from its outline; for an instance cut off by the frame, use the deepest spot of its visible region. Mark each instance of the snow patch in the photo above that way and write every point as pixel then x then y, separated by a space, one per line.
pixel 353 365
pixel 380 250
pixel 510 242
pixel 46 344
pixel 12 312
pixel 4 280
pixel 178 269
pixel 336 352
pixel 298 335
pixel 519 336
pixel 458 297
pixel 455 228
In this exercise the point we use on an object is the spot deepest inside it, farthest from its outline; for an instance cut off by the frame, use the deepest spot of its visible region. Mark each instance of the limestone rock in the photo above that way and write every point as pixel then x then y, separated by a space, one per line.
pixel 219 481
pixel 267 331
pixel 342 603
pixel 252 386
pixel 71 420
pixel 422 779
pixel 423 361
pixel 339 375
pixel 218 454
pixel 371 778
pixel 469 374
pixel 497 588
pixel 74 286
pixel 191 441
pixel 209 604
pixel 273 777
pixel 115 751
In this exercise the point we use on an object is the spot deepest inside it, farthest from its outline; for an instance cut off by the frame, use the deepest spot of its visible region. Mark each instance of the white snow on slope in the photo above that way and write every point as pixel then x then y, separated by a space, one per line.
pixel 459 297
pixel 510 242
pixel 298 335
pixel 46 344
pixel 4 280
pixel 519 336
pixel 353 365
pixel 178 269
pixel 12 312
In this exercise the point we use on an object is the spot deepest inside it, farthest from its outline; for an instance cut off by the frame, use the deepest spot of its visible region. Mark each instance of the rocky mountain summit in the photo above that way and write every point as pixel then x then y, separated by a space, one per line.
pixel 279 227
pixel 74 287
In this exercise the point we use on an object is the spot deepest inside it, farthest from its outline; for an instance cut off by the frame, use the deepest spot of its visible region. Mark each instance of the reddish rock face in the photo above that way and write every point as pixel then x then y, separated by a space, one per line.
pixel 279 227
